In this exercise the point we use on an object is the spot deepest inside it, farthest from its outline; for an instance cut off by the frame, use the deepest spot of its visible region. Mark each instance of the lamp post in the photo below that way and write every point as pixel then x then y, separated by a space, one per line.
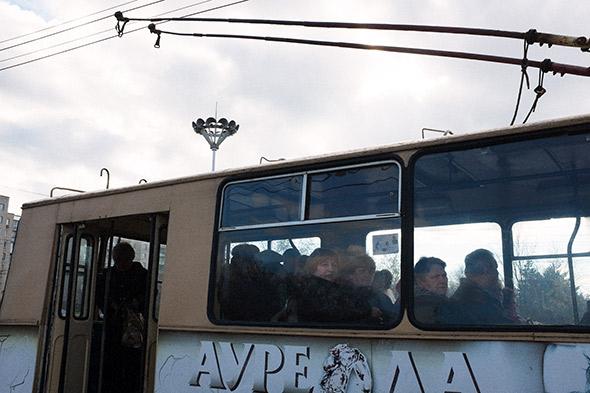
pixel 215 132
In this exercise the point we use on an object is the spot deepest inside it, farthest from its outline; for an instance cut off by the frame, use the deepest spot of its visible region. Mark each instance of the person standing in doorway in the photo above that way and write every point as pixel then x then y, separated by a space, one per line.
pixel 124 321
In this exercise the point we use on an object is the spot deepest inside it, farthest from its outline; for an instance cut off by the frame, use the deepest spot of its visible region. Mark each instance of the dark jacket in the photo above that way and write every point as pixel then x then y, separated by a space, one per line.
pixel 389 312
pixel 428 305
pixel 473 305
pixel 249 293
pixel 319 300
pixel 127 289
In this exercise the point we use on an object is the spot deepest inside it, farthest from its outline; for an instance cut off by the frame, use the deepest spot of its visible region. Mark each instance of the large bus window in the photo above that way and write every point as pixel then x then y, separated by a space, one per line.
pixel 530 267
pixel 316 268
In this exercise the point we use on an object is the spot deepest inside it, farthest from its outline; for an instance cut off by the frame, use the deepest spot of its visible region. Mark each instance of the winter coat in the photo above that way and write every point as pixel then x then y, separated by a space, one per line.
pixel 319 300
pixel 249 293
pixel 427 306
pixel 473 305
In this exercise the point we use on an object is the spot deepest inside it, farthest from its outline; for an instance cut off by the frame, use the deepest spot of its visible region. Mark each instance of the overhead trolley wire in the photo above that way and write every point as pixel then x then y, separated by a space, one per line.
pixel 67 22
pixel 116 35
pixel 22 190
pixel 532 36
pixel 97 33
pixel 74 27
pixel 546 65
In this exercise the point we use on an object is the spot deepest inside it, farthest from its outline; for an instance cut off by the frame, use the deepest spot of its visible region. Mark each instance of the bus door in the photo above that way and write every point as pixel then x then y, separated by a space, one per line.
pixel 157 264
pixel 71 326
pixel 116 365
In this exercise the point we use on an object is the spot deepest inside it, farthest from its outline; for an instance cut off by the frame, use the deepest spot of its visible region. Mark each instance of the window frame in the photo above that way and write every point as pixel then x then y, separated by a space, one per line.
pixel 373 160
pixel 407 266
pixel 87 283
pixel 158 291
pixel 305 200
pixel 65 295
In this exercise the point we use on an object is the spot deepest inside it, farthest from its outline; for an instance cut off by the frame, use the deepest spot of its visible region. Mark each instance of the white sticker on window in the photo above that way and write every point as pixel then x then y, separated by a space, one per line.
pixel 385 244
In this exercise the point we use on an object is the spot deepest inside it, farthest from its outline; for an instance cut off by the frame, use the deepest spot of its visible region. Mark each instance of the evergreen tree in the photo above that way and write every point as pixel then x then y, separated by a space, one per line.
pixel 545 297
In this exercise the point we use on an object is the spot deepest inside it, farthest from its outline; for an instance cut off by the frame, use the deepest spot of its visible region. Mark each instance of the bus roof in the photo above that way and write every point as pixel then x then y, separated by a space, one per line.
pixel 396 147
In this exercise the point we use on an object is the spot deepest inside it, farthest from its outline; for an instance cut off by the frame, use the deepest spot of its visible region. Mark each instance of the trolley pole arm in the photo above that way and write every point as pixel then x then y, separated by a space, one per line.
pixel 545 65
pixel 532 36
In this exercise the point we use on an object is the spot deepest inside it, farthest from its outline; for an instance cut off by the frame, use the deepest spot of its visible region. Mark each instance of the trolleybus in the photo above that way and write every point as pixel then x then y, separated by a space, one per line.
pixel 233 301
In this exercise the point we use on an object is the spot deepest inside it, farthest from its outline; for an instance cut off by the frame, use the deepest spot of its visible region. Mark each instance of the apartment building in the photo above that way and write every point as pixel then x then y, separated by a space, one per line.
pixel 8 229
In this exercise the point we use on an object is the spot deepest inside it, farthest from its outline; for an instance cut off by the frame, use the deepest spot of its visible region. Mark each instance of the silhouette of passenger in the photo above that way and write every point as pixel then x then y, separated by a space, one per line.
pixel 124 321
pixel 248 290
pixel 480 299
pixel 290 259
pixel 321 299
pixel 382 282
pixel 358 272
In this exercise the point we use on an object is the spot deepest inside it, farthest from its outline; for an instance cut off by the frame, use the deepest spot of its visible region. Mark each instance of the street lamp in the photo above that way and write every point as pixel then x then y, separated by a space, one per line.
pixel 215 131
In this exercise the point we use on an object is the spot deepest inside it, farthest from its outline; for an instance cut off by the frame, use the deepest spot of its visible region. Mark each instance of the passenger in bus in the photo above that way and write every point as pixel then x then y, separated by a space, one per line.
pixel 358 272
pixel 291 257
pixel 430 289
pixel 320 298
pixel 293 272
pixel 248 291
pixel 382 282
pixel 480 298
pixel 125 319
pixel 300 265
pixel 270 261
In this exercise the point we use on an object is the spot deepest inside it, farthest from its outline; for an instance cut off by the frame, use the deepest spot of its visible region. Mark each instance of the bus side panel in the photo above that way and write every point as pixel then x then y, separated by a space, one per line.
pixel 566 368
pixel 18 351
pixel 28 276
pixel 195 362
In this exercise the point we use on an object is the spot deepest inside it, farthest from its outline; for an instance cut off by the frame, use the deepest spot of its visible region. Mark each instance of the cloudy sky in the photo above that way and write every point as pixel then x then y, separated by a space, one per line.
pixel 126 106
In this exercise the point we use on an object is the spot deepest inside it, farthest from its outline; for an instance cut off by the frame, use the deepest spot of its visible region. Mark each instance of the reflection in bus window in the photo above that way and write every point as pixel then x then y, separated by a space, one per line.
pixel 83 276
pixel 510 223
pixel 262 202
pixel 372 186
pixel 320 272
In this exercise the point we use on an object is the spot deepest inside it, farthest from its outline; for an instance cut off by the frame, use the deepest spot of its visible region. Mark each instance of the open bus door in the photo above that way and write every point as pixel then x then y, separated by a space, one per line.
pixel 71 327
pixel 77 332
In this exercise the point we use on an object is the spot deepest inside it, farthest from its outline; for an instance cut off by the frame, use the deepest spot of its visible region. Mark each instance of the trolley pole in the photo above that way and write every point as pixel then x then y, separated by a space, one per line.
pixel 215 132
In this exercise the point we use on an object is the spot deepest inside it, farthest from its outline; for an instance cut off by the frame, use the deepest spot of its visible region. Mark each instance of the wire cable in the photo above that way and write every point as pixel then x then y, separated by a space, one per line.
pixel 67 21
pixel 95 34
pixel 74 27
pixel 547 64
pixel 523 77
pixel 108 38
pixel 532 36
pixel 21 190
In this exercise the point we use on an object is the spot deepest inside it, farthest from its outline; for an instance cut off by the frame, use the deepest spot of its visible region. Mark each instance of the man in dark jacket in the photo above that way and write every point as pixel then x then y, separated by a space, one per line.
pixel 480 299
pixel 430 291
